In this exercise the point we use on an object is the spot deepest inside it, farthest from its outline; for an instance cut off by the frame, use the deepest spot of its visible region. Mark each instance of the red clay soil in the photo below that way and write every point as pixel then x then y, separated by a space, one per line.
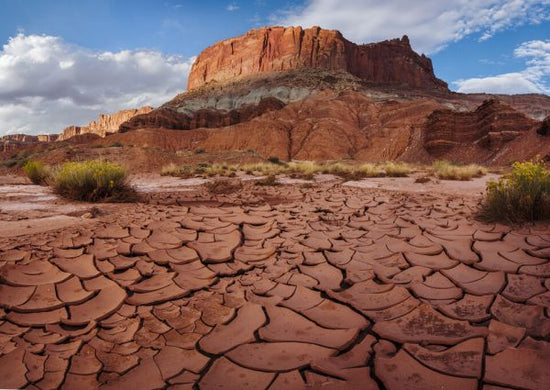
pixel 334 287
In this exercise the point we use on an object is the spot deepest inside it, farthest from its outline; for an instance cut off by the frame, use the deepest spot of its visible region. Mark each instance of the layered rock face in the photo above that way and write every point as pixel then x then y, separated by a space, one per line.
pixel 106 123
pixel 207 118
pixel 273 49
pixel 491 124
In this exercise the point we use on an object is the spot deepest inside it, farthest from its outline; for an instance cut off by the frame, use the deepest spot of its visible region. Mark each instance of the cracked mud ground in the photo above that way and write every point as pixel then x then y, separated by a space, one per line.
pixel 279 288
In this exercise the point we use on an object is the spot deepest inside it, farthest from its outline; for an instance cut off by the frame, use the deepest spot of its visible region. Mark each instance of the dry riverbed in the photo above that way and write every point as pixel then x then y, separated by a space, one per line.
pixel 335 285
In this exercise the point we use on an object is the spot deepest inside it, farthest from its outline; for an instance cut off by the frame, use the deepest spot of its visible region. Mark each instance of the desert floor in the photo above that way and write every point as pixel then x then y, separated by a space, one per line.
pixel 382 283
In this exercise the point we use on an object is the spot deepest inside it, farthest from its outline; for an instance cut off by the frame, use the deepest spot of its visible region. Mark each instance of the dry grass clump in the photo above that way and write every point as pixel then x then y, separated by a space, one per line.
pixel 370 170
pixel 218 170
pixel 37 172
pixel 302 169
pixel 448 171
pixel 177 170
pixel 305 169
pixel 397 169
pixel 92 181
pixel 523 195
pixel 262 168
pixel 224 186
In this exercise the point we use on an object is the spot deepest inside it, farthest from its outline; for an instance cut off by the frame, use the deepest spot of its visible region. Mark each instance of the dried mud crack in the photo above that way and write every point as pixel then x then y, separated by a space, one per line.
pixel 284 288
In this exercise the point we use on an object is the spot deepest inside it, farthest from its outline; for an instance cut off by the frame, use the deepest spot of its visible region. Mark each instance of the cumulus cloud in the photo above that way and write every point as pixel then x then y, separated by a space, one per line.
pixel 431 24
pixel 533 79
pixel 47 84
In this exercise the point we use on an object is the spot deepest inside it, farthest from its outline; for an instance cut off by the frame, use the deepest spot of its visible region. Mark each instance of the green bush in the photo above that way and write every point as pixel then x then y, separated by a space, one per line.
pixel 36 171
pixel 116 145
pixel 523 195
pixel 92 181
pixel 274 160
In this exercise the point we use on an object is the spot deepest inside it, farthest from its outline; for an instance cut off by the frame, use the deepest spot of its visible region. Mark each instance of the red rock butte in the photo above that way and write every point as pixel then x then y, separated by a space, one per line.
pixel 272 49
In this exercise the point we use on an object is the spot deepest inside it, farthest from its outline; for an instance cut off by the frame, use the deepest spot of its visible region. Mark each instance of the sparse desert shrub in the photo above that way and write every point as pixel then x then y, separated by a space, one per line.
pixel 224 186
pixel 448 171
pixel 263 168
pixel 270 180
pixel 370 170
pixel 397 169
pixel 305 169
pixel 216 170
pixel 36 171
pixel 523 195
pixel 177 170
pixel 338 169
pixel 92 181
pixel 274 160
pixel 199 151
pixel 116 145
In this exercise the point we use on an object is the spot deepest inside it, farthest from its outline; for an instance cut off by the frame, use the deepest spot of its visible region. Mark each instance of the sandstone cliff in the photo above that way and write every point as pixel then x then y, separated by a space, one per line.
pixel 19 141
pixel 490 125
pixel 272 49
pixel 106 123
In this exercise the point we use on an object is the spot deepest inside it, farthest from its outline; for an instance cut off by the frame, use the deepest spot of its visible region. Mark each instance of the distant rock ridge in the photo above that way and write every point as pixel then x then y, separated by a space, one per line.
pixel 272 49
pixel 13 142
pixel 105 124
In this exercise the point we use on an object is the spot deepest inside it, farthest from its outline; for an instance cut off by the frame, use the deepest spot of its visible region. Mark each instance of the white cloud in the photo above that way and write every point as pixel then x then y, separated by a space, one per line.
pixel 232 7
pixel 503 84
pixel 431 24
pixel 533 79
pixel 47 84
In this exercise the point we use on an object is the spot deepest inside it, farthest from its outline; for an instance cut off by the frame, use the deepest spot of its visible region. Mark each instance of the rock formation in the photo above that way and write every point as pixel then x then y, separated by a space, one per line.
pixel 272 49
pixel 13 142
pixel 106 123
pixel 207 118
pixel 544 128
pixel 491 124
pixel 310 94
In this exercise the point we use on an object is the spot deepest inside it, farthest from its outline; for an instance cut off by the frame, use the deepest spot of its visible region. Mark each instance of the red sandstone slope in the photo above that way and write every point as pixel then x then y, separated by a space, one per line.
pixel 336 125
pixel 489 126
pixel 271 49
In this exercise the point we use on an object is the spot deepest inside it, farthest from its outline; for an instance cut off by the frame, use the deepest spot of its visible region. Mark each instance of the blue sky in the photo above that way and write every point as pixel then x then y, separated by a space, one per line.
pixel 63 62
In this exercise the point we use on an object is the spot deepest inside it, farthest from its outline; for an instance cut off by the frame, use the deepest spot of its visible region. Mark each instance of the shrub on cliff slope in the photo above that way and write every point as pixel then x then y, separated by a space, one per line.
pixel 92 181
pixel 523 195
pixel 36 171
